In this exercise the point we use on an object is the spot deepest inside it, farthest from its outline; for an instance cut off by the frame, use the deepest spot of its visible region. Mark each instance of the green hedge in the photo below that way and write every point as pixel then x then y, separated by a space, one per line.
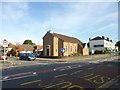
pixel 98 52
pixel 77 54
pixel 107 52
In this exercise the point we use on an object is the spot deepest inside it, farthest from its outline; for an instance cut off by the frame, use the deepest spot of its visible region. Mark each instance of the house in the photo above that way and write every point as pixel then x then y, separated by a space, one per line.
pixel 24 48
pixel 60 45
pixel 100 43
pixel 85 49
pixel 0 48
pixel 10 47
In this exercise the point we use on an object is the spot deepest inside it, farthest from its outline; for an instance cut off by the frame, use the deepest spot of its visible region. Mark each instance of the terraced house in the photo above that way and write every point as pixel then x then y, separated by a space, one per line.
pixel 53 43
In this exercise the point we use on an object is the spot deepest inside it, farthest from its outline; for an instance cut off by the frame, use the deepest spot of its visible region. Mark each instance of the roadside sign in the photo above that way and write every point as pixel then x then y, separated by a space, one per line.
pixel 62 50
pixel 5 43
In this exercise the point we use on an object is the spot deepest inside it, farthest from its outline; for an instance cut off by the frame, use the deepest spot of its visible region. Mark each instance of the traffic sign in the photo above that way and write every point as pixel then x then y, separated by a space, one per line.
pixel 62 50
pixel 5 43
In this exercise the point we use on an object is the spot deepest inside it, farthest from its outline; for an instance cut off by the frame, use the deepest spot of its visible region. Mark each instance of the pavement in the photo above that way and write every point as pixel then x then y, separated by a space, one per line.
pixel 15 62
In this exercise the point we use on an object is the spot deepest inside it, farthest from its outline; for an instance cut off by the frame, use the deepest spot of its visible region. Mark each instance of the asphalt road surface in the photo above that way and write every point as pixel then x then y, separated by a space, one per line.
pixel 69 76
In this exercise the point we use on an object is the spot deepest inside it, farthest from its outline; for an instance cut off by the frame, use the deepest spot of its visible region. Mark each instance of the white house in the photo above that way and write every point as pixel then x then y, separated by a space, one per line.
pixel 100 43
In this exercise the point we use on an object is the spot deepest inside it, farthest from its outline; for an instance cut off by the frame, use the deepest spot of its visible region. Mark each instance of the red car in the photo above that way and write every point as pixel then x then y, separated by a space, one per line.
pixel 2 57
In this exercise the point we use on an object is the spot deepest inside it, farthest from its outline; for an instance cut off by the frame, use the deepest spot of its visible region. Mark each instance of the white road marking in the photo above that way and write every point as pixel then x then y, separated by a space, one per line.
pixel 54 69
pixel 6 77
pixel 35 73
pixel 62 69
pixel 43 63
pixel 17 76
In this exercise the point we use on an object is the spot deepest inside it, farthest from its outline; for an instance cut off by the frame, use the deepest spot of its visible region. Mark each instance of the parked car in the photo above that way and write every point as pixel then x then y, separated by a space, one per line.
pixel 27 56
pixel 2 57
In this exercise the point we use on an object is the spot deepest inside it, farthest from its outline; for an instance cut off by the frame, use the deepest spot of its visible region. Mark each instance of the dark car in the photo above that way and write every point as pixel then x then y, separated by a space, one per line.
pixel 27 56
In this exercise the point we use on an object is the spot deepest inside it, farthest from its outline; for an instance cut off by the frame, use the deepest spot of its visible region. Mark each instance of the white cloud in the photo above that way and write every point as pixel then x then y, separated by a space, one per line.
pixel 60 1
pixel 78 18
pixel 14 11
pixel 83 15
pixel 104 28
pixel 15 0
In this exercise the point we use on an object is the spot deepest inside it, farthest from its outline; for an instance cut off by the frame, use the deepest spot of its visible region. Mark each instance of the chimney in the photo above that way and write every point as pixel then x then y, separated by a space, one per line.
pixel 103 37
pixel 107 39
pixel 89 39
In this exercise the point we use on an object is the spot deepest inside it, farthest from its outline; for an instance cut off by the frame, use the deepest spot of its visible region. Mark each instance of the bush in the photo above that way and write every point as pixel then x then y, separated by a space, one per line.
pixel 107 52
pixel 77 54
pixel 98 52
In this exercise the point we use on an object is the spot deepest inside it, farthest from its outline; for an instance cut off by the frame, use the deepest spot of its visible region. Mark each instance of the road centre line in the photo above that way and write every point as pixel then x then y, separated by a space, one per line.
pixel 31 82
pixel 18 74
pixel 62 69
pixel 61 75
pixel 18 77
pixel 45 85
pixel 76 72
pixel 88 75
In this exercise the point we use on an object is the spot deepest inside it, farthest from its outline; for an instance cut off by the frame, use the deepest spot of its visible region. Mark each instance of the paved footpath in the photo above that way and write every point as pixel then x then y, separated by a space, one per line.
pixel 15 62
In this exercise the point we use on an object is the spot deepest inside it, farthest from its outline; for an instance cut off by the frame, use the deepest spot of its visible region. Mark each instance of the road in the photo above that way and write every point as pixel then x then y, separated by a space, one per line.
pixel 69 76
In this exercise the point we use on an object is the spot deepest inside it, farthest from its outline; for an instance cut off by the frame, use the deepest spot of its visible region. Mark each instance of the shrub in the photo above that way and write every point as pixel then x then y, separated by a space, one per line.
pixel 98 52
pixel 107 52
pixel 77 54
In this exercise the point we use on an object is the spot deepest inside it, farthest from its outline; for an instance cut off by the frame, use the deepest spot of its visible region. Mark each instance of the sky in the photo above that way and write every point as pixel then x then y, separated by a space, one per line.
pixel 83 20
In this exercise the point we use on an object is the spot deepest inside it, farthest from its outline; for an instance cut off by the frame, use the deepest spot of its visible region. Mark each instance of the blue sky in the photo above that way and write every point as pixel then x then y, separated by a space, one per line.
pixel 83 20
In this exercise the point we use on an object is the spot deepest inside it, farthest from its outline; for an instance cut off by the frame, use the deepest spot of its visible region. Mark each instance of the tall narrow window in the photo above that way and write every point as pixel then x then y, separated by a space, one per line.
pixel 66 48
pixel 56 50
pixel 71 48
pixel 75 49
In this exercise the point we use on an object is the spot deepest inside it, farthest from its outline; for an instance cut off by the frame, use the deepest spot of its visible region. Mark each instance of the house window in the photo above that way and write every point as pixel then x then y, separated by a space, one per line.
pixel 75 49
pixel 66 48
pixel 71 48
pixel 98 45
pixel 56 50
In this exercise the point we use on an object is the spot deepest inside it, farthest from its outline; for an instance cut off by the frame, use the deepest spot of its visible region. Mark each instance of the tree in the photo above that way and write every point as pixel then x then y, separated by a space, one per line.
pixel 118 44
pixel 28 42
pixel 12 52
